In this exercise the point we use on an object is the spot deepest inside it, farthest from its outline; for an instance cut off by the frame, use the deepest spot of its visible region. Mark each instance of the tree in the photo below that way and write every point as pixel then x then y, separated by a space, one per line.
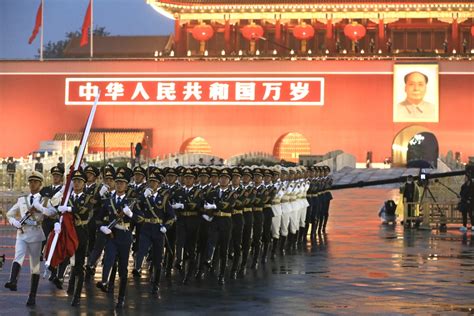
pixel 56 49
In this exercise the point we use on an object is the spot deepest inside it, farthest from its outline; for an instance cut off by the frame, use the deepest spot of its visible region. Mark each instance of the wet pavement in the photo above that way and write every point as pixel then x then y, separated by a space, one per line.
pixel 358 267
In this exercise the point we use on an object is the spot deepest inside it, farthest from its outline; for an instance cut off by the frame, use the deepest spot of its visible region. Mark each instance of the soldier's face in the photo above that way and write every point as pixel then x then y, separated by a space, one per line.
pixel 257 178
pixel 110 182
pixel 214 180
pixel 121 186
pixel 138 178
pixel 188 181
pixel 154 184
pixel 170 179
pixel 235 180
pixel 77 185
pixel 90 177
pixel 203 180
pixel 267 179
pixel 275 177
pixel 224 181
pixel 35 185
pixel 246 178
pixel 415 88
pixel 57 179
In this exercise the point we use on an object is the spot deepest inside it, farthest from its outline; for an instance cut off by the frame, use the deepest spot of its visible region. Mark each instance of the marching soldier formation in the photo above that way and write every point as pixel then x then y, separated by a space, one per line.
pixel 192 222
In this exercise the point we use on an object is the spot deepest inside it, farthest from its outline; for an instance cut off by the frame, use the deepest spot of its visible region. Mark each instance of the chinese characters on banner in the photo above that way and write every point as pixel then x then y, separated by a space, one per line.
pixel 284 91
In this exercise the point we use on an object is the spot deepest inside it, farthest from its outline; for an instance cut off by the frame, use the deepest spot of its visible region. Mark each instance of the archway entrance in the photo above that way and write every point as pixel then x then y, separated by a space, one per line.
pixel 290 146
pixel 195 145
pixel 415 143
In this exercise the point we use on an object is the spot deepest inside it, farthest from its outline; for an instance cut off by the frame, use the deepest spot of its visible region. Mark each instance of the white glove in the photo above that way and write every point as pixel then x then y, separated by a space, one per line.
pixel 207 217
pixel 127 211
pixel 213 206
pixel 163 229
pixel 57 228
pixel 103 190
pixel 37 205
pixel 177 206
pixel 15 223
pixel 207 206
pixel 105 230
pixel 147 192
pixel 63 208
pixel 180 205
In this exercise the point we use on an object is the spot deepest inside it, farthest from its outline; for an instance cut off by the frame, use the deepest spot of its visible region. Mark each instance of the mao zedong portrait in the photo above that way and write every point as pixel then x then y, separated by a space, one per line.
pixel 414 106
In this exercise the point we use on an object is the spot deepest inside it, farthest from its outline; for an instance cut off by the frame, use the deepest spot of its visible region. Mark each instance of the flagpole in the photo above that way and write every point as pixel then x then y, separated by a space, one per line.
pixel 92 28
pixel 42 29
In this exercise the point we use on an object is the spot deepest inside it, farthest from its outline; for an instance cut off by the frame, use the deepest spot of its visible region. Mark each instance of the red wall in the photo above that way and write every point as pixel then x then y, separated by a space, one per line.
pixel 356 116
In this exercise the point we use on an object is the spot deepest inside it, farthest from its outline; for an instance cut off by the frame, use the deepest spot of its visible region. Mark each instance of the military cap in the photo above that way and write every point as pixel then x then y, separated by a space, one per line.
pixel 203 172
pixel 284 170
pixel 258 172
pixel 171 171
pixel 214 172
pixel 196 170
pixel 104 169
pixel 149 170
pixel 57 170
pixel 35 175
pixel 79 175
pixel 225 172
pixel 236 171
pixel 125 170
pixel 91 169
pixel 139 170
pixel 122 177
pixel 326 168
pixel 268 172
pixel 155 175
pixel 188 172
pixel 109 173
pixel 247 171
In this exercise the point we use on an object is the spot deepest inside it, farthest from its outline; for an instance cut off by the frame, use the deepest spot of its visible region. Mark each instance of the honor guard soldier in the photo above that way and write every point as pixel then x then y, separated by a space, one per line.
pixel 26 216
pixel 171 176
pixel 221 225
pixel 326 198
pixel 156 215
pixel 309 209
pixel 205 219
pixel 53 193
pixel 106 191
pixel 82 214
pixel 186 201
pixel 119 242
pixel 93 199
pixel 139 185
pixel 249 196
pixel 237 221
pixel 258 204
pixel 270 192
pixel 276 209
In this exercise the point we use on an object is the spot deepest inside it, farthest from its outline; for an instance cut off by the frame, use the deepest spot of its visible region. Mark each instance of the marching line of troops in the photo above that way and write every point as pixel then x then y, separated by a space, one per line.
pixel 190 221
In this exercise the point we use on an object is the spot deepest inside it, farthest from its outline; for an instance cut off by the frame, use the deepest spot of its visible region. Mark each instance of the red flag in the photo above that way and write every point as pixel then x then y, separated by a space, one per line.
pixel 86 25
pixel 39 16
pixel 67 241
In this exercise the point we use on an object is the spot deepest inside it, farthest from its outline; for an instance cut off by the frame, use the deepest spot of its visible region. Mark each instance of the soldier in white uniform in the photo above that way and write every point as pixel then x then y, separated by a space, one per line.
pixel 27 215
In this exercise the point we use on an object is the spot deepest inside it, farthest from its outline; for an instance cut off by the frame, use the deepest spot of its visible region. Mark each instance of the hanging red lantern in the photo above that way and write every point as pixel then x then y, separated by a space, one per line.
pixel 472 30
pixel 354 31
pixel 202 32
pixel 252 32
pixel 303 32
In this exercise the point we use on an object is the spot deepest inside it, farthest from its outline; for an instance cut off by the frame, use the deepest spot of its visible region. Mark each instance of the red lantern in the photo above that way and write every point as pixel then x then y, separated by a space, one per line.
pixel 354 31
pixel 472 30
pixel 303 32
pixel 202 33
pixel 252 32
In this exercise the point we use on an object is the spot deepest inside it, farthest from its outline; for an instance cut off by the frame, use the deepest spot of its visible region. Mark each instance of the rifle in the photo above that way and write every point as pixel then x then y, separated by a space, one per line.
pixel 119 217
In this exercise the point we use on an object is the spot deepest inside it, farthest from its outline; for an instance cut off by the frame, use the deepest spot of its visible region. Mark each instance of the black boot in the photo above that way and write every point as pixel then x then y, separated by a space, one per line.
pixel 79 281
pixel 266 245
pixel 155 285
pixel 325 222
pixel 221 279
pixel 282 245
pixel 72 282
pixel 191 267
pixel 256 255
pixel 314 225
pixel 13 277
pixel 243 264
pixel 274 248
pixel 235 266
pixel 34 288
pixel 121 295
pixel 53 274
pixel 304 237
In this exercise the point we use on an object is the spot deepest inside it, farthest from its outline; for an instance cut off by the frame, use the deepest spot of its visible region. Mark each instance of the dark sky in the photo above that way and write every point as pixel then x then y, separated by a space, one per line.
pixel 119 17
